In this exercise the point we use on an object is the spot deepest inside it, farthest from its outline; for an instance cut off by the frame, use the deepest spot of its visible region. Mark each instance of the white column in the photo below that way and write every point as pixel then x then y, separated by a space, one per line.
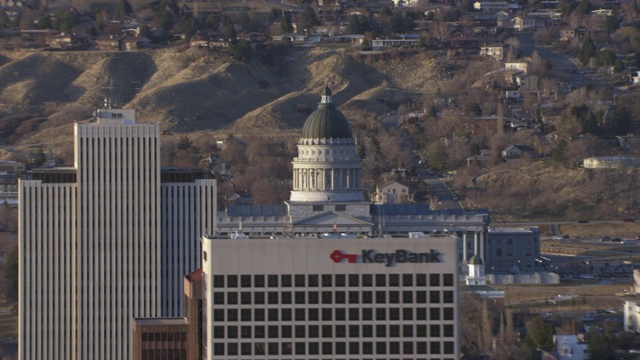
pixel 464 247
pixel 475 243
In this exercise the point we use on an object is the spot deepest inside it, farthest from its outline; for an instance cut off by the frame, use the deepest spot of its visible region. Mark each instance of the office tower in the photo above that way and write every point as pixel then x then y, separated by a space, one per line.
pixel 331 298
pixel 95 245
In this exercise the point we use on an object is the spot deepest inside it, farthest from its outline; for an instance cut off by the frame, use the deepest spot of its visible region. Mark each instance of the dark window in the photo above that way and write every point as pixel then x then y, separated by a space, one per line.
pixel 407 279
pixel 341 207
pixel 394 297
pixel 232 298
pixel 273 314
pixel 341 280
pixel 434 297
pixel 407 314
pixel 354 348
pixel 354 331
pixel 407 331
pixel 327 331
pixel 381 297
pixel 394 331
pixel 407 297
pixel 341 331
pixel 354 314
pixel 367 314
pixel 341 297
pixel 381 280
pixel 381 314
pixel 327 348
pixel 299 281
pixel 218 281
pixel 245 314
pixel 318 207
pixel 448 313
pixel 259 332
pixel 285 314
pixel 258 281
pixel 313 297
pixel 407 347
pixel 354 297
pixel 367 347
pixel 232 315
pixel 285 297
pixel 272 280
pixel 367 330
pixel 447 330
pixel 421 330
pixel 341 314
pixel 245 281
pixel 435 347
pixel 300 330
pixel 421 297
pixel 273 348
pixel 434 279
pixel 300 348
pixel 218 298
pixel 314 348
pixel 354 280
pixel 394 314
pixel 314 331
pixel 245 331
pixel 394 280
pixel 434 314
pixel 367 280
pixel 448 347
pixel 434 330
pixel 326 280
pixel 421 314
pixel 394 347
pixel 327 315
pixel 381 330
pixel 245 297
pixel 313 314
pixel 273 331
pixel 218 348
pixel 232 281
pixel 313 280
pixel 381 347
pixel 232 332
pixel 341 348
pixel 447 279
pixel 258 314
pixel 421 347
pixel 286 280
pixel 232 349
pixel 218 332
pixel 272 297
pixel 421 279
pixel 367 297
pixel 286 348
pixel 299 295
pixel 326 297
pixel 447 297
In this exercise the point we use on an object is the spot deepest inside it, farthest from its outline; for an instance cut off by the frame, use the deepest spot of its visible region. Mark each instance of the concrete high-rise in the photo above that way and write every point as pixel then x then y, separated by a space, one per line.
pixel 105 241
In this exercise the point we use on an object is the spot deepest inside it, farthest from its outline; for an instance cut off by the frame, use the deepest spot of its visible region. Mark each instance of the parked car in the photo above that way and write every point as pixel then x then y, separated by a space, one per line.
pixel 605 238
pixel 628 220
pixel 583 221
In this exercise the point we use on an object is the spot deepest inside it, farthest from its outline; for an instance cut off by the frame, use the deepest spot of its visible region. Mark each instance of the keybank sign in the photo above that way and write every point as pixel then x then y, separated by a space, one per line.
pixel 390 259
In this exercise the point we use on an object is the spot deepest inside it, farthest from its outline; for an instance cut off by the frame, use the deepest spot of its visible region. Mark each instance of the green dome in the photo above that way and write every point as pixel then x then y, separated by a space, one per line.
pixel 326 122
pixel 475 260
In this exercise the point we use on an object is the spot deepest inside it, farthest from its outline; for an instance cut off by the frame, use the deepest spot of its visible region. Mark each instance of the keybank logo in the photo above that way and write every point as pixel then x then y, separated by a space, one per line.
pixel 389 259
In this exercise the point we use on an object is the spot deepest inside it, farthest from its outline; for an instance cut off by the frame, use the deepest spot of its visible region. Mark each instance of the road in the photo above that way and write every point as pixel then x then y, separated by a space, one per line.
pixel 566 69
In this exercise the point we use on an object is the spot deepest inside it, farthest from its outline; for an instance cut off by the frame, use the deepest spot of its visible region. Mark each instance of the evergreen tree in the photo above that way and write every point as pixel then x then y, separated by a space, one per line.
pixel 124 9
pixel 358 24
pixel 167 20
pixel 540 334
pixel 621 121
pixel 308 18
pixel 587 50
pixel 286 25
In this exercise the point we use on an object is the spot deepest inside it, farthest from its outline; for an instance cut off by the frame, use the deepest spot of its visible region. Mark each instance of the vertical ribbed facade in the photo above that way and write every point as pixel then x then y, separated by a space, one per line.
pixel 47 264
pixel 188 212
pixel 118 234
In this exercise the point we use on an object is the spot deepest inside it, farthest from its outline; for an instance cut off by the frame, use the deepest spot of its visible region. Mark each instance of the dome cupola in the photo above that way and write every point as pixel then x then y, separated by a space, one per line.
pixel 326 122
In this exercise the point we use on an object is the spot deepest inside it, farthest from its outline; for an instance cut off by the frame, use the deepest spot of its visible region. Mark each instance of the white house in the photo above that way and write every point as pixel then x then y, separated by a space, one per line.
pixel 569 347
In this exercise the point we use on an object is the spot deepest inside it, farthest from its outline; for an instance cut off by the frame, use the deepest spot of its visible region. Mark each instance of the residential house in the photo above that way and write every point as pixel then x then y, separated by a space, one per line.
pixel 606 12
pixel 478 160
pixel 109 42
pixel 495 51
pixel 405 40
pixel 135 43
pixel 486 125
pixel 294 38
pixel 393 192
pixel 630 142
pixel 570 347
pixel 524 24
pixel 517 66
pixel 239 198
pixel 491 5
pixel 502 16
pixel 527 82
pixel 66 40
pixel 518 152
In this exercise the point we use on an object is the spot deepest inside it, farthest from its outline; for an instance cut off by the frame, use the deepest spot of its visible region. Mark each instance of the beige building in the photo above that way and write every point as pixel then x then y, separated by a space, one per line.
pixel 393 192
